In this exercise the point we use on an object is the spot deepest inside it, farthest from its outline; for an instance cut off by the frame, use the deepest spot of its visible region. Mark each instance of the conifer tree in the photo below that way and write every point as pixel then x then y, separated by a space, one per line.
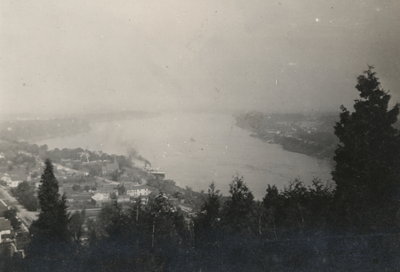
pixel 271 203
pixel 239 223
pixel 367 172
pixel 208 217
pixel 238 210
pixel 208 230
pixel 50 237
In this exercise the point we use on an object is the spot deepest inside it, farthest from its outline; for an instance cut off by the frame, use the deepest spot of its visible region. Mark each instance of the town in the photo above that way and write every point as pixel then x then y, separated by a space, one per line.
pixel 310 134
pixel 89 180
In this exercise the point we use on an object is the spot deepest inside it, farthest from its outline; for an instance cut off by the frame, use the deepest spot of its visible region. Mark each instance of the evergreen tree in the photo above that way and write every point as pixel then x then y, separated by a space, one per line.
pixel 209 216
pixel 239 223
pixel 238 211
pixel 367 172
pixel 112 247
pixel 208 230
pixel 50 237
pixel 297 210
pixel 272 212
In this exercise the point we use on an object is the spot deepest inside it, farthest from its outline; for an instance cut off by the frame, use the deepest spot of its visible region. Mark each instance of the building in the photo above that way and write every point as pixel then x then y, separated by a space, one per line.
pixel 14 183
pixel 5 229
pixel 9 181
pixel 157 174
pixel 101 198
pixel 138 191
pixel 6 178
pixel 160 175
pixel 123 199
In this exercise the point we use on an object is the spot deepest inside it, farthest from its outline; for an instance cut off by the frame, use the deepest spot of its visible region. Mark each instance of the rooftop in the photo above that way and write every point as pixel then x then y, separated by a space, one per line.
pixel 4 224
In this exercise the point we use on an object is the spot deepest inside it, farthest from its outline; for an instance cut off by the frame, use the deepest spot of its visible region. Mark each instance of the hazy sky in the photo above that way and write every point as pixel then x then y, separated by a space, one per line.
pixel 283 55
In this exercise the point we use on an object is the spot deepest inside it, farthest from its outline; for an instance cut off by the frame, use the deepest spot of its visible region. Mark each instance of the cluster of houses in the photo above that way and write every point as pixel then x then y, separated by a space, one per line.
pixel 11 243
pixel 83 190
pixel 106 167
pixel 9 182
pixel 92 194
pixel 105 193
pixel 5 224
pixel 15 173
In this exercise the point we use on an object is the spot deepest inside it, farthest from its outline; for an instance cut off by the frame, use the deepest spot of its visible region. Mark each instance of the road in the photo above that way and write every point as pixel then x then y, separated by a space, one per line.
pixel 26 217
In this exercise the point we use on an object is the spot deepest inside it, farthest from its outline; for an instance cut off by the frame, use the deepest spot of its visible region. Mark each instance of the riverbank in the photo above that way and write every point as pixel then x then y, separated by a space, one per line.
pixel 311 135
pixel 195 149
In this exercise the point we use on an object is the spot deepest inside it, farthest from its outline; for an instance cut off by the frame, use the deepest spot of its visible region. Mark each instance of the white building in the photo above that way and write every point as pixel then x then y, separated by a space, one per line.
pixel 6 178
pixel 5 228
pixel 101 197
pixel 9 182
pixel 138 191
pixel 14 183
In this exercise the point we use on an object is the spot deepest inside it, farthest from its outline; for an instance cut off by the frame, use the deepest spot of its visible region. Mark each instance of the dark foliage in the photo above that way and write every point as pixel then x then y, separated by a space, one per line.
pixel 144 238
pixel 25 193
pixel 207 230
pixel 367 172
pixel 11 215
pixel 50 236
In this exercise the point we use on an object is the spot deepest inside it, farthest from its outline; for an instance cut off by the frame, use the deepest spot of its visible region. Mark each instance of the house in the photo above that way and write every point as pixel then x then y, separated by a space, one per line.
pixel 14 183
pixel 6 178
pixel 100 198
pixel 159 175
pixel 5 229
pixel 9 181
pixel 7 241
pixel 123 199
pixel 138 191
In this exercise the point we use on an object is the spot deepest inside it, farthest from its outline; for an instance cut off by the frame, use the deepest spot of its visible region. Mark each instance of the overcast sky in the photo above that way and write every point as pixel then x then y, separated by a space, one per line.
pixel 283 55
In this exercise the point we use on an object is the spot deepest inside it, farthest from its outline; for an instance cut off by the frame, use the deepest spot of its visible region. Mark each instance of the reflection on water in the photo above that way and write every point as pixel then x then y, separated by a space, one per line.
pixel 197 148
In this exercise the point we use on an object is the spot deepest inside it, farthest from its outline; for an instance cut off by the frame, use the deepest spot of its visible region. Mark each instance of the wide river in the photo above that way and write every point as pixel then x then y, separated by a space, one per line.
pixel 195 149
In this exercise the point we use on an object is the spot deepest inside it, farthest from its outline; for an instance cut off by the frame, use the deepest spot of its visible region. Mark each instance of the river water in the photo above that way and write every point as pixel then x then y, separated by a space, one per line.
pixel 195 149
